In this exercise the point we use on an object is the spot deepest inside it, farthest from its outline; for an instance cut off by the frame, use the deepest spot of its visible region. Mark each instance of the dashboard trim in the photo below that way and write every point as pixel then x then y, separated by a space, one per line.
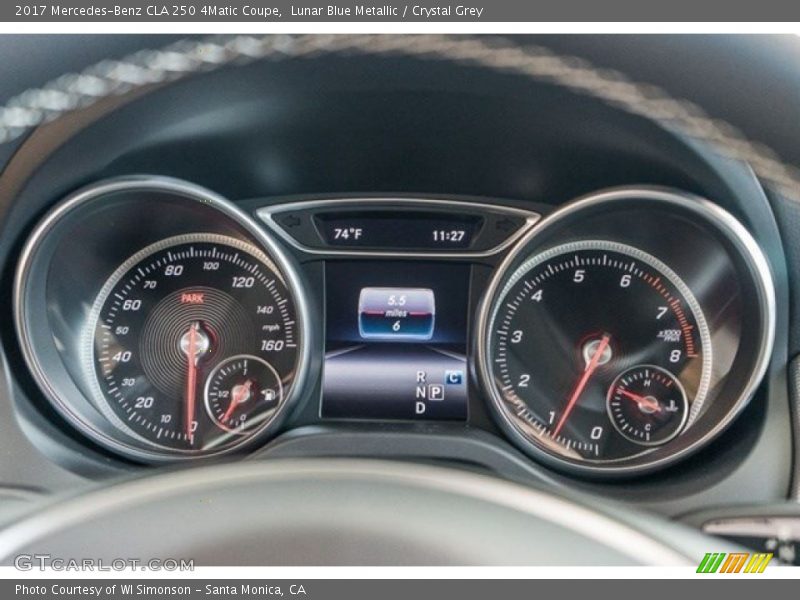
pixel 268 214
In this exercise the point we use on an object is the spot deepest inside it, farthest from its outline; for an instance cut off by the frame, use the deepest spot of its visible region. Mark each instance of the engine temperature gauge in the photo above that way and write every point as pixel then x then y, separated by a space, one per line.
pixel 647 405
pixel 239 388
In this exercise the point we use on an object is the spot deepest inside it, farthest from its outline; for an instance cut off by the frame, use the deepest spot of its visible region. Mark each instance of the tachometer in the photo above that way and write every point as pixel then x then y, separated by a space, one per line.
pixel 169 318
pixel 576 318
pixel 624 331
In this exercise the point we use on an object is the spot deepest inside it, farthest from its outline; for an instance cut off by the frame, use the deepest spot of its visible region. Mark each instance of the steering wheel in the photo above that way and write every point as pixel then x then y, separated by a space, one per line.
pixel 345 512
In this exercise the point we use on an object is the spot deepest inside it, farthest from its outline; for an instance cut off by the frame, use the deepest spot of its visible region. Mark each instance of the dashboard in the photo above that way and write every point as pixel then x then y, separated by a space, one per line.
pixel 433 262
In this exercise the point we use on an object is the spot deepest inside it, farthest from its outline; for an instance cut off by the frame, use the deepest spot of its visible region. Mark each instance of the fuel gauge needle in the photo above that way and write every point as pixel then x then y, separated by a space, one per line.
pixel 239 395
pixel 591 367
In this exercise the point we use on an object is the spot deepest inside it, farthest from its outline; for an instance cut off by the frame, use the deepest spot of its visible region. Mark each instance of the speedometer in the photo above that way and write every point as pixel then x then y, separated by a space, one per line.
pixel 166 321
pixel 614 331
pixel 183 339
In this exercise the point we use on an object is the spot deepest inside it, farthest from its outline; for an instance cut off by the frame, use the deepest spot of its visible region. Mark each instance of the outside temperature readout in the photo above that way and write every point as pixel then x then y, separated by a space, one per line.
pixel 407 230
pixel 347 233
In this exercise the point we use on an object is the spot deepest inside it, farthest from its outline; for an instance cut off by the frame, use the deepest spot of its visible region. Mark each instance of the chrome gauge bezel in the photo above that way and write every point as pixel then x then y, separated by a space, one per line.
pixel 635 253
pixel 215 372
pixel 685 420
pixel 527 249
pixel 71 398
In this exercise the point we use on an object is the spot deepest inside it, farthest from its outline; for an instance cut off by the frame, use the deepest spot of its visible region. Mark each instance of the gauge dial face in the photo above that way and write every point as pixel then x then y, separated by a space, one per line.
pixel 647 405
pixel 241 392
pixel 169 319
pixel 569 334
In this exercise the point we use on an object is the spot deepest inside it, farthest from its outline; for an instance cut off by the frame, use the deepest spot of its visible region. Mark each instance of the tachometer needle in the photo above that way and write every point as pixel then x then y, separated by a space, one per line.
pixel 191 378
pixel 591 367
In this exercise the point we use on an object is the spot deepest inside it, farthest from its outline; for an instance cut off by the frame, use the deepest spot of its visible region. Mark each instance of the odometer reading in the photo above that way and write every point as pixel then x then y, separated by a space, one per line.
pixel 599 352
pixel 165 322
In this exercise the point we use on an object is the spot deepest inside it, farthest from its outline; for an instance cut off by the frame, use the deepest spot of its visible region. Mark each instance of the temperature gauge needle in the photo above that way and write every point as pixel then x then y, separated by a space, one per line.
pixel 591 367
pixel 641 400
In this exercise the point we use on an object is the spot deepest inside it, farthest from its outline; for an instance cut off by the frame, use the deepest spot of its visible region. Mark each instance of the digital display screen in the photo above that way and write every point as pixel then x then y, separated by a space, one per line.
pixel 396 344
pixel 399 230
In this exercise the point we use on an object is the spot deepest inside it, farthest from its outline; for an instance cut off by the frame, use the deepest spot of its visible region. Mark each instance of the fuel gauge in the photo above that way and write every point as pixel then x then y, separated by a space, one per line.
pixel 241 392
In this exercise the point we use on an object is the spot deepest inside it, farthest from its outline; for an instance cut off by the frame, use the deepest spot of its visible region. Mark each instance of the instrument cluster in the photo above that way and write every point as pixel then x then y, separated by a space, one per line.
pixel 613 336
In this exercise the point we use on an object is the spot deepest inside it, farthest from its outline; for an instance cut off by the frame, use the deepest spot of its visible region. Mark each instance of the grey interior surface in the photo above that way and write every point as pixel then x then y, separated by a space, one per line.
pixel 357 126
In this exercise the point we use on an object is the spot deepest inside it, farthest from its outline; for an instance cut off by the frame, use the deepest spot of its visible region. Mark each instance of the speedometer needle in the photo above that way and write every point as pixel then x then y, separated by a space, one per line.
pixel 191 378
pixel 591 367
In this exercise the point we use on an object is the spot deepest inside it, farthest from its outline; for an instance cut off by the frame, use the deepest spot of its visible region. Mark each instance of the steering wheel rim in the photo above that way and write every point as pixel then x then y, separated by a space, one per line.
pixel 344 512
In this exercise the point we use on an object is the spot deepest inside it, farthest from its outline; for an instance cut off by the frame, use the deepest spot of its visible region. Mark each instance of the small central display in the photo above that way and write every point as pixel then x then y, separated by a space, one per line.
pixel 423 231
pixel 394 314
pixel 396 341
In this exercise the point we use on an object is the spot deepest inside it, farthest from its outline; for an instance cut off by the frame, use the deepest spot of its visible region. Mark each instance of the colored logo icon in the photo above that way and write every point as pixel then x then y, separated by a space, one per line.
pixel 734 562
